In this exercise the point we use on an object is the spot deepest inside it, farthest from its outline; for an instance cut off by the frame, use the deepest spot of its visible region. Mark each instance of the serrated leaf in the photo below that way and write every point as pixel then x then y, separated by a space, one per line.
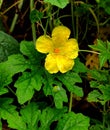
pixel 105 89
pixel 100 46
pixel 26 84
pixel 8 46
pixel 95 96
pixel 58 3
pixel 15 63
pixel 76 90
pixel 103 59
pixel 72 121
pixel 60 97
pixel 48 84
pixel 28 49
pixel 8 112
pixel 99 76
pixel 31 115
pixel 69 79
pixel 3 90
pixel 49 115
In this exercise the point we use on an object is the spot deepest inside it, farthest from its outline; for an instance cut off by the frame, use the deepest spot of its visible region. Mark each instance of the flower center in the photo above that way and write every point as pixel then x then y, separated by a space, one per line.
pixel 56 50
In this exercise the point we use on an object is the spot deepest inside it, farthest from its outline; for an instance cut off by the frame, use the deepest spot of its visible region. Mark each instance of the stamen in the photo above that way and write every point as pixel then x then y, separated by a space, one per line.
pixel 56 50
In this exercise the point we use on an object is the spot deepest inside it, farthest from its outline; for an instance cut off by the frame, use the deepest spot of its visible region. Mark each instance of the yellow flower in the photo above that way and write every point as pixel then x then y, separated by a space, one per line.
pixel 61 50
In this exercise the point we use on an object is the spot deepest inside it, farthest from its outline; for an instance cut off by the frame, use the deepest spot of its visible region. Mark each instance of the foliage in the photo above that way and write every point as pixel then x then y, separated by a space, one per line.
pixel 33 99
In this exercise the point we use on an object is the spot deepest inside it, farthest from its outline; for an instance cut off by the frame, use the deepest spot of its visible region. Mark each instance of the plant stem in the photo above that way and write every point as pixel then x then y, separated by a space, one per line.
pixel 92 12
pixel 76 28
pixel 11 90
pixel 89 51
pixel 10 7
pixel 72 16
pixel 16 17
pixel 33 24
pixel 70 103
pixel 104 114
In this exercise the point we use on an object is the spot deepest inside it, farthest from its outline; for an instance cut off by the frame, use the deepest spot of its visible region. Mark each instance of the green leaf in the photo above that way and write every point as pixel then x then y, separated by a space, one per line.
pixel 79 66
pixel 69 79
pixel 100 46
pixel 105 89
pixel 8 112
pixel 8 46
pixel 58 3
pixel 95 96
pixel 15 63
pixel 104 49
pixel 60 97
pixel 28 49
pixel 98 75
pixel 35 15
pixel 72 121
pixel 50 115
pixel 103 59
pixel 26 84
pixel 3 90
pixel 48 84
pixel 106 5
pixel 31 115
pixel 76 90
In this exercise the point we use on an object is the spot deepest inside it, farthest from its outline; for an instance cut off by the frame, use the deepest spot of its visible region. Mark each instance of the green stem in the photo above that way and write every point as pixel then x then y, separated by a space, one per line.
pixel 89 51
pixel 72 16
pixel 11 90
pixel 77 28
pixel 33 24
pixel 16 17
pixel 92 12
pixel 70 103
pixel 104 114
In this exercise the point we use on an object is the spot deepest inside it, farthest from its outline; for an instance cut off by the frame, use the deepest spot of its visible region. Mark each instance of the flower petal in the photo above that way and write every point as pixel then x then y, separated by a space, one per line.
pixel 70 48
pixel 51 63
pixel 59 35
pixel 64 63
pixel 44 44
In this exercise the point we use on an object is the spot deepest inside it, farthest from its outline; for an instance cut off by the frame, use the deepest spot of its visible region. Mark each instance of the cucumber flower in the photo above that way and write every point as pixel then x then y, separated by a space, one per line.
pixel 60 50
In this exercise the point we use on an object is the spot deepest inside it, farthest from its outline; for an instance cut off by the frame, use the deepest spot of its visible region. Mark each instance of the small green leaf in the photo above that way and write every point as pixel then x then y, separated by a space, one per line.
pixel 95 96
pixel 106 5
pixel 8 112
pixel 8 46
pixel 26 84
pixel 58 3
pixel 76 90
pixel 31 115
pixel 35 16
pixel 105 89
pixel 72 121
